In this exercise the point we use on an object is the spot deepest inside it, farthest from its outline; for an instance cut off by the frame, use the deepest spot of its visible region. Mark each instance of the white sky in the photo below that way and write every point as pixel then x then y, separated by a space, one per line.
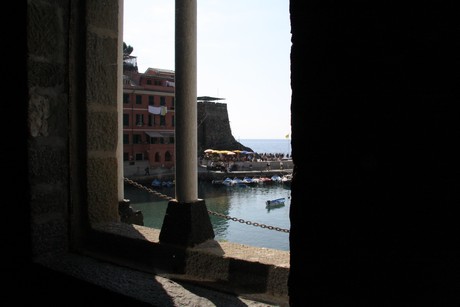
pixel 243 56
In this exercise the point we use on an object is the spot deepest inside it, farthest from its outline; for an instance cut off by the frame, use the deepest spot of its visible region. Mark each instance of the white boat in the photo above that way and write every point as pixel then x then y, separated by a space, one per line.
pixel 248 180
pixel 287 179
pixel 276 202
pixel 276 178
pixel 227 181
pixel 238 182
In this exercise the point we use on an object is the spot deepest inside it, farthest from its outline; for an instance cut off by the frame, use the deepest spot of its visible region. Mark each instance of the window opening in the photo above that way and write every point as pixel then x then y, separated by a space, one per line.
pixel 168 120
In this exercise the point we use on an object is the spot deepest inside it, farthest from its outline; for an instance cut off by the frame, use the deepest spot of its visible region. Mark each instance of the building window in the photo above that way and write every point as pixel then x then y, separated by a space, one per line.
pixel 139 156
pixel 168 156
pixel 162 100
pixel 157 157
pixel 137 139
pixel 125 119
pixel 162 121
pixel 150 120
pixel 138 99
pixel 151 100
pixel 149 82
pixel 172 103
pixel 125 138
pixel 125 98
pixel 125 156
pixel 173 121
pixel 139 120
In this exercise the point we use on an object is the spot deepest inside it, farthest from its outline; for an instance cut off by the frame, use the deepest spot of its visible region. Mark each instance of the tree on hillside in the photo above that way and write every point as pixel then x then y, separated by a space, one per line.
pixel 127 50
pixel 129 62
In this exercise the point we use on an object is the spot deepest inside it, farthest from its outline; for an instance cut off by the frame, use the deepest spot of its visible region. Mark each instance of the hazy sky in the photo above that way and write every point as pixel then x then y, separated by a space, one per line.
pixel 243 56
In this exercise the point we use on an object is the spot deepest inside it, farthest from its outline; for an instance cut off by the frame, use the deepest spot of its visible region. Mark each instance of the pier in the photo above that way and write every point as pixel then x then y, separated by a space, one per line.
pixel 205 172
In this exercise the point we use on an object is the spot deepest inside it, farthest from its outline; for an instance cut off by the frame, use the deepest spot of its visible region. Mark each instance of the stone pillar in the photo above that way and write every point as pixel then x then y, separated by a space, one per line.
pixel 187 221
pixel 185 99
pixel 186 224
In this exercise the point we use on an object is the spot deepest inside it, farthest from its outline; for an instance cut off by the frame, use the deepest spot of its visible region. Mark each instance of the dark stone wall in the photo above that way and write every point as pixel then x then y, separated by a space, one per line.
pixel 214 129
pixel 376 170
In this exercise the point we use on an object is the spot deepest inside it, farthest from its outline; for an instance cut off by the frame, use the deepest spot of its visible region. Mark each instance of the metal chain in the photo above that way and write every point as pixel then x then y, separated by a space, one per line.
pixel 156 193
pixel 247 222
pixel 142 187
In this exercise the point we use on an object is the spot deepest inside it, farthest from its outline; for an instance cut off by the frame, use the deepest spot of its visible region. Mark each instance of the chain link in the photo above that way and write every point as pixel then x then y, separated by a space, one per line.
pixel 142 187
pixel 228 217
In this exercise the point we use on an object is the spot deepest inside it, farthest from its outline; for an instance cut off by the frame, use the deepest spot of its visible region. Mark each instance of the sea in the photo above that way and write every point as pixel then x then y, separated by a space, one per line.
pixel 273 146
pixel 241 215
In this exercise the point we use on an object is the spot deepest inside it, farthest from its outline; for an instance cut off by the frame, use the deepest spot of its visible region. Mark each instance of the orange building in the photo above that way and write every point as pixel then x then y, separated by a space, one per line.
pixel 148 115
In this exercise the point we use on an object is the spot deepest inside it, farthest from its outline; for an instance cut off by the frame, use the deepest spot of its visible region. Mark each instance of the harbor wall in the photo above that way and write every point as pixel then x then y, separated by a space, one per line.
pixel 243 169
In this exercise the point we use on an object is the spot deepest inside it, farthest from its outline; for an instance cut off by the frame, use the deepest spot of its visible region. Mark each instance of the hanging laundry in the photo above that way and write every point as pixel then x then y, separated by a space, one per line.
pixel 155 110
pixel 164 110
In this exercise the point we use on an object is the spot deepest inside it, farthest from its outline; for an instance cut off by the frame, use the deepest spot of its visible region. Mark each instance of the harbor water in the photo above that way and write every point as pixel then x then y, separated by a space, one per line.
pixel 242 215
pixel 247 204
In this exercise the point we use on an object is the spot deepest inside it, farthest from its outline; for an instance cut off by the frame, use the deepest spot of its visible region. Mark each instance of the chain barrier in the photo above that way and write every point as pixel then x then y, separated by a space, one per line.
pixel 228 217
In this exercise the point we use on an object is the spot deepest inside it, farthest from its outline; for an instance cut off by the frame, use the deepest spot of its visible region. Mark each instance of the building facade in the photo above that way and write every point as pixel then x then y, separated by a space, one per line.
pixel 148 115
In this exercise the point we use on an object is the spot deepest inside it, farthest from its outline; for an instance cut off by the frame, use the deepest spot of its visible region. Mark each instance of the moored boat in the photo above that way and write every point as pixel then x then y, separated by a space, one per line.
pixel 156 183
pixel 287 179
pixel 248 180
pixel 265 180
pixel 276 202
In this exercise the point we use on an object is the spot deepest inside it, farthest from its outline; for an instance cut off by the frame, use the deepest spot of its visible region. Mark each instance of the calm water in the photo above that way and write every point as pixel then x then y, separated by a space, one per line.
pixel 241 202
pixel 247 203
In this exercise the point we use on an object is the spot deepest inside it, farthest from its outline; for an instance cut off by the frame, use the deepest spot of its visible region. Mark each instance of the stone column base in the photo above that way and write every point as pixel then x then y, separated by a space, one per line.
pixel 186 224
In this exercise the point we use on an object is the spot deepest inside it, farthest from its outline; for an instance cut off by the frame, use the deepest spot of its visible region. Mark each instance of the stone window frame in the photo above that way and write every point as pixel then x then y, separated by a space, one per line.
pixel 96 189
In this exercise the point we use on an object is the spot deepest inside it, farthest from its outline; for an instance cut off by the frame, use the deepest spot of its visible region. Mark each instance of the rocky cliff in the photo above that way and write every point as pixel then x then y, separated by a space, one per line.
pixel 214 127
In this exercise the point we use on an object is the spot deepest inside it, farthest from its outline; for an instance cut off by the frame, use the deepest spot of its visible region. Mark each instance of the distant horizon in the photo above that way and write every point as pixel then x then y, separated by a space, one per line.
pixel 263 139
pixel 268 145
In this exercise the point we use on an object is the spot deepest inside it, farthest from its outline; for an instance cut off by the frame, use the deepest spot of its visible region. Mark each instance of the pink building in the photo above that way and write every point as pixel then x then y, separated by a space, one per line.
pixel 148 115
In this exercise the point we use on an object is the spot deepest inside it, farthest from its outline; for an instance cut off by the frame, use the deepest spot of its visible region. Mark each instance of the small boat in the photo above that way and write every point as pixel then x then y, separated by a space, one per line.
pixel 167 184
pixel 276 202
pixel 217 181
pixel 227 181
pixel 276 178
pixel 248 180
pixel 286 180
pixel 265 180
pixel 238 182
pixel 156 183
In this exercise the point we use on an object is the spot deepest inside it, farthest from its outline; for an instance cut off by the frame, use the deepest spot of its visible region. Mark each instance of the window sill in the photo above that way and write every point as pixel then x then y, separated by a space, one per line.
pixel 258 273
